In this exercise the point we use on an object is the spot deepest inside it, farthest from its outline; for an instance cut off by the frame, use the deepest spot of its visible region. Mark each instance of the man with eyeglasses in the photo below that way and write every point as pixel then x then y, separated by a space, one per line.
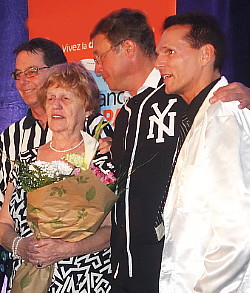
pixel 145 137
pixel 29 72
pixel 143 145
pixel 33 58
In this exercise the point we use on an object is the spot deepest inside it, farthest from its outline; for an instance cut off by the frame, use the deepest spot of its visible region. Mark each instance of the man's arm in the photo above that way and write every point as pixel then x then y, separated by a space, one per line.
pixel 105 144
pixel 233 92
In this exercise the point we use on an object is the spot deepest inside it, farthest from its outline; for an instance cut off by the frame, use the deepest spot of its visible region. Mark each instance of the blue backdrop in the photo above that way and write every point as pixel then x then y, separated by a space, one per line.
pixel 13 15
pixel 234 18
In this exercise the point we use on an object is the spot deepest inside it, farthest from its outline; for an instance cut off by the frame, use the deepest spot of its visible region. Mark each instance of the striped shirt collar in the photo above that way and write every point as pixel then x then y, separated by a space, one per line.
pixel 30 121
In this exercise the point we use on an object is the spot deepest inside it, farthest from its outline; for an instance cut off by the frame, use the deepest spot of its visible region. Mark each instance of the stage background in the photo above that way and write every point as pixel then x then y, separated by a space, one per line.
pixel 13 15
pixel 70 22
pixel 73 26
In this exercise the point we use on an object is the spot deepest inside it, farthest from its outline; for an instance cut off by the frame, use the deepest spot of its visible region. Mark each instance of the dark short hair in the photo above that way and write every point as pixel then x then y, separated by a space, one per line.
pixel 204 29
pixel 73 76
pixel 126 24
pixel 53 53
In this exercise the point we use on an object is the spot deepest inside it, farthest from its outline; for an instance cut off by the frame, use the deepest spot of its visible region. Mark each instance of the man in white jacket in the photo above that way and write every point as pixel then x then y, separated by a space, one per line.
pixel 206 217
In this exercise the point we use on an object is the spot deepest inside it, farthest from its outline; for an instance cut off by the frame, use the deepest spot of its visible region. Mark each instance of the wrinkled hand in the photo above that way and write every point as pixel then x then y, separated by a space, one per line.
pixel 25 249
pixel 46 251
pixel 233 92
pixel 105 144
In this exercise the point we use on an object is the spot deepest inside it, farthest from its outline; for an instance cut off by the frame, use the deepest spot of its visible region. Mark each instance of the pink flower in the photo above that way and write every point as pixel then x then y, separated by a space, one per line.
pixel 76 171
pixel 105 178
pixel 109 178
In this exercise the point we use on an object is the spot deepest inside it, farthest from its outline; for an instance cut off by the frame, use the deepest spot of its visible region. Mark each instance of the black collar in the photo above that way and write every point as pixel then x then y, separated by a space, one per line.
pixel 29 120
pixel 194 106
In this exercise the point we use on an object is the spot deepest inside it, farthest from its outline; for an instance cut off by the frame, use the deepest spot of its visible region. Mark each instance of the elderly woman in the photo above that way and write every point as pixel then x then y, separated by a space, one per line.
pixel 69 96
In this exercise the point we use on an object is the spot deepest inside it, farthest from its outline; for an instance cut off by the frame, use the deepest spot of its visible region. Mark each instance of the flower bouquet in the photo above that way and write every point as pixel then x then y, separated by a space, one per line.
pixel 64 202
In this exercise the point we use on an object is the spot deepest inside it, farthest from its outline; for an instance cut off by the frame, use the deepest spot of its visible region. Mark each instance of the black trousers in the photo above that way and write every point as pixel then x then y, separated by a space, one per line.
pixel 146 271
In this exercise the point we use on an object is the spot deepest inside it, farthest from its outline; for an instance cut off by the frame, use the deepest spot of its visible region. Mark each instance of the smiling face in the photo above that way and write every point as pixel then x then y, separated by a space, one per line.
pixel 28 87
pixel 180 64
pixel 65 110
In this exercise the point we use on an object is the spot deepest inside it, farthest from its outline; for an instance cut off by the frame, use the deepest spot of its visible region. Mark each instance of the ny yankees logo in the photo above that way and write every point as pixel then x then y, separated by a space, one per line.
pixel 159 120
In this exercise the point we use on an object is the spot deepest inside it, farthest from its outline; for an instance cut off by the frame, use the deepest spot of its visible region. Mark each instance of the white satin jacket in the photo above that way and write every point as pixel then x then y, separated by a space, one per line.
pixel 207 214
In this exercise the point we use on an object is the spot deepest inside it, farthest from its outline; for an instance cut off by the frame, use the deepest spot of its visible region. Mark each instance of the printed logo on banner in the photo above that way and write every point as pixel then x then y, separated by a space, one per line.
pixel 74 24
pixel 77 47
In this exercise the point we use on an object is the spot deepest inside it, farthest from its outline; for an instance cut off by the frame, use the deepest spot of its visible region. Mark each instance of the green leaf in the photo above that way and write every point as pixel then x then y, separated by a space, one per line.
pixel 112 186
pixel 91 193
pixel 3 256
pixel 25 281
pixel 81 179
pixel 81 213
pixel 99 128
pixel 55 223
pixel 33 209
pixel 49 268
pixel 59 190
pixel 34 225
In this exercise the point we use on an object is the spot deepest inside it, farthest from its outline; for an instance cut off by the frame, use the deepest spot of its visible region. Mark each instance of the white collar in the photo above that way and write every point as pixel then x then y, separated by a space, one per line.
pixel 151 81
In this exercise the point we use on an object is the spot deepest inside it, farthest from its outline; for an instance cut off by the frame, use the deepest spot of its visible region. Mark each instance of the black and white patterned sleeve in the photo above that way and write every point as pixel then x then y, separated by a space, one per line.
pixel 93 121
pixel 104 162
pixel 5 157
pixel 28 156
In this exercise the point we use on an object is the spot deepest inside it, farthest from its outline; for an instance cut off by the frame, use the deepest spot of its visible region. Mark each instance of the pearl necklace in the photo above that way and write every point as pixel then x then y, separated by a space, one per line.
pixel 64 151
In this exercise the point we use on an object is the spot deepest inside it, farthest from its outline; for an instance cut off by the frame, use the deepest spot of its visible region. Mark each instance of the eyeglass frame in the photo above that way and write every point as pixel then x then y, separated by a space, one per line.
pixel 14 74
pixel 99 59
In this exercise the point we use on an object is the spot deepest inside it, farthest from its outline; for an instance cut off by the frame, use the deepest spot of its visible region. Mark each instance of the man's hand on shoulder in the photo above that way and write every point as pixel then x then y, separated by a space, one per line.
pixel 233 92
pixel 105 144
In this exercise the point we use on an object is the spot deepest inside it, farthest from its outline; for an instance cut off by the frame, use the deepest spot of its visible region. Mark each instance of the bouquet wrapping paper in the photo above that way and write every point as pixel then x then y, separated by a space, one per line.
pixel 71 209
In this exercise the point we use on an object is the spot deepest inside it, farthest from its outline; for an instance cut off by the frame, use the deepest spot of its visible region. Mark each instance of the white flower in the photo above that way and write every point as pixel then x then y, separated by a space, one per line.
pixel 83 161
pixel 76 160
pixel 52 169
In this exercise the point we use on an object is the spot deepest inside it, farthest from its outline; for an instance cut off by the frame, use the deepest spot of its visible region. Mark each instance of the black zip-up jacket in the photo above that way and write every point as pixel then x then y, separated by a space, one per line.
pixel 145 138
